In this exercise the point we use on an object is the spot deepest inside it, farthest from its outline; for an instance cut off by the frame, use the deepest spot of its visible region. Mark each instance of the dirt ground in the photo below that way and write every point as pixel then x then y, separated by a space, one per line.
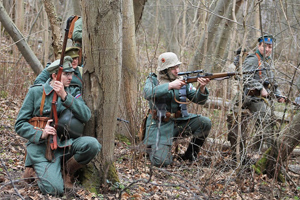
pixel 212 176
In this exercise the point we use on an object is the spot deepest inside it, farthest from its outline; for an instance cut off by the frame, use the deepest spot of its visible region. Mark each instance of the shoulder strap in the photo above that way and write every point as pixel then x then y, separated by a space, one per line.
pixel 259 64
pixel 80 70
pixel 42 102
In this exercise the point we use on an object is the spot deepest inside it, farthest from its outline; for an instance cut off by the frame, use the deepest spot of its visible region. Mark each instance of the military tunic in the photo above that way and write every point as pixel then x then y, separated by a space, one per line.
pixel 160 135
pixel 83 148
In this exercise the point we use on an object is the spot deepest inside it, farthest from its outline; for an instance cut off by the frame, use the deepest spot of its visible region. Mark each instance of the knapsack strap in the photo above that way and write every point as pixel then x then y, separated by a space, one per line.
pixel 42 102
pixel 259 65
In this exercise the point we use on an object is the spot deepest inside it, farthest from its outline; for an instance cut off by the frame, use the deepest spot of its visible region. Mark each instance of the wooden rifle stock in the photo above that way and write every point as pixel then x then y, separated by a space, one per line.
pixel 52 141
pixel 214 76
pixel 211 76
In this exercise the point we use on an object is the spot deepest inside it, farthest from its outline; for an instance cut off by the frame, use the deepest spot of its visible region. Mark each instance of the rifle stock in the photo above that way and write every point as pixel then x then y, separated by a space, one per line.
pixel 213 76
pixel 52 141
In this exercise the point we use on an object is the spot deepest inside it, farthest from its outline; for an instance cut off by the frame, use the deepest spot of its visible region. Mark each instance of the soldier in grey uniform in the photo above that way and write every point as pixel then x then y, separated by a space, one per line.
pixel 77 152
pixel 169 118
pixel 259 87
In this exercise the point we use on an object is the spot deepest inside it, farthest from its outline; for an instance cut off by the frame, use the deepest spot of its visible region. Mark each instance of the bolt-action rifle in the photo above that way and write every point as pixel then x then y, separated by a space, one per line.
pixel 52 141
pixel 212 76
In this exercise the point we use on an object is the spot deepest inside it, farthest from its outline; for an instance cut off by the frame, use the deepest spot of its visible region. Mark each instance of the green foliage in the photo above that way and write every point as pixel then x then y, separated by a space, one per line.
pixel 260 165
pixel 123 138
pixel 3 94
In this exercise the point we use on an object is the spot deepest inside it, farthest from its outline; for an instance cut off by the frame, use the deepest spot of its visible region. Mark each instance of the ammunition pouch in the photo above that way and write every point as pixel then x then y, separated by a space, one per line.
pixel 267 84
pixel 253 92
pixel 39 122
pixel 68 126
pixel 167 117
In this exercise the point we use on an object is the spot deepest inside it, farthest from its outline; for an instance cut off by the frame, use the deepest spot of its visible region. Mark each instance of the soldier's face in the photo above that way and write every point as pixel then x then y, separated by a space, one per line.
pixel 265 48
pixel 75 63
pixel 66 78
pixel 175 70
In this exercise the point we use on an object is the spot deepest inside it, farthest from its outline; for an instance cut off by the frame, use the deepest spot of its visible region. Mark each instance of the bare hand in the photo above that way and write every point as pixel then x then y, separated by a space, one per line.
pixel 59 89
pixel 48 130
pixel 264 93
pixel 176 84
pixel 202 83
pixel 281 100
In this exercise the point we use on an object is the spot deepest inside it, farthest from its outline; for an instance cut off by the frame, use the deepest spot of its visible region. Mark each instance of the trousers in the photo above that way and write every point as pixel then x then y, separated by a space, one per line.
pixel 50 180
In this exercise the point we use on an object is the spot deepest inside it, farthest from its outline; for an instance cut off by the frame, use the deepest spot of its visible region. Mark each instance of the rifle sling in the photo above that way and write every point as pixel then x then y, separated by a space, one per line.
pixel 42 102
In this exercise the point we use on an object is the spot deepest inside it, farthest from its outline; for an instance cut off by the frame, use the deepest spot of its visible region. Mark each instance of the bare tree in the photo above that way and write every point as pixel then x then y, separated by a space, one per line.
pixel 20 41
pixel 55 24
pixel 128 92
pixel 138 7
pixel 102 75
pixel 212 27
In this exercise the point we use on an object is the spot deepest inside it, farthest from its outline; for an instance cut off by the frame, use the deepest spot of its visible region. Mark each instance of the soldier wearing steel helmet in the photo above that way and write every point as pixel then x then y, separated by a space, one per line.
pixel 168 118
pixel 259 87
pixel 74 152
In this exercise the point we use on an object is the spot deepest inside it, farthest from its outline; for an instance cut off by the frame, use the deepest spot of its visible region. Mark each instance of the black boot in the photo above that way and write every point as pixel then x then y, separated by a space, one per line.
pixel 193 149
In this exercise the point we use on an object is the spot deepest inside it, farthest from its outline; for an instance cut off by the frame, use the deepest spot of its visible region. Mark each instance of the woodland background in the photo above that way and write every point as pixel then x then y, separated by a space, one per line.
pixel 204 34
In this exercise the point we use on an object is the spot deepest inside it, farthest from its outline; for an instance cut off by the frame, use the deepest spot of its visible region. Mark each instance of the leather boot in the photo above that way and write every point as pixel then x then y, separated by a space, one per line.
pixel 29 174
pixel 71 167
pixel 193 149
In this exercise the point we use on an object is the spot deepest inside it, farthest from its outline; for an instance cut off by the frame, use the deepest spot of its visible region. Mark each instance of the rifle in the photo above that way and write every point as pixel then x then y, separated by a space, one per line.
pixel 212 76
pixel 287 100
pixel 52 141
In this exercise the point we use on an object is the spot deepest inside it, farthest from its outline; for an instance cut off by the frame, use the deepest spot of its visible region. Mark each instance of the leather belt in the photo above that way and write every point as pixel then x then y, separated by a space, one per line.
pixel 169 115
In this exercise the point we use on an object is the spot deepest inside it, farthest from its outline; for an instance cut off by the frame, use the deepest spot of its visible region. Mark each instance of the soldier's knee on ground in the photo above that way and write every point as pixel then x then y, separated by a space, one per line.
pixel 52 188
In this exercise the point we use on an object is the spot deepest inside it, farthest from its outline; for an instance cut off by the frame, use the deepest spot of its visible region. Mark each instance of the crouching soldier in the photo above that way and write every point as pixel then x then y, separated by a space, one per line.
pixel 33 123
pixel 169 118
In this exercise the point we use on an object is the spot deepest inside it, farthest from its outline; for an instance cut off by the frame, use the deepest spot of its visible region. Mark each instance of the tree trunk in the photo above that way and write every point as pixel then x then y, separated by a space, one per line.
pixel 212 26
pixel 128 92
pixel 46 37
pixel 20 41
pixel 276 155
pixel 170 21
pixel 102 74
pixel 225 38
pixel 138 8
pixel 55 26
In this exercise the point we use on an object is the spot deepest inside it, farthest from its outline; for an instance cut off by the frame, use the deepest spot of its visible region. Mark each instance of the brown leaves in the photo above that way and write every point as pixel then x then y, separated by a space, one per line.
pixel 213 176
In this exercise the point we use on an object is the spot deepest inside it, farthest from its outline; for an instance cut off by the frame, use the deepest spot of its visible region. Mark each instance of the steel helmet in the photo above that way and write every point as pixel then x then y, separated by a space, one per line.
pixel 167 60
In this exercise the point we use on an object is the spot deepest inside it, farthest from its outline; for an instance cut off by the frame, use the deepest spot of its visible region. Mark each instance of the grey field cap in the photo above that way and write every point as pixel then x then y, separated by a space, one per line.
pixel 67 65
pixel 167 60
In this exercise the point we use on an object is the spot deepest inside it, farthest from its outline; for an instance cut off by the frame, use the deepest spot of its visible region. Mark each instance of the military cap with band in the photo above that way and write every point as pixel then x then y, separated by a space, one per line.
pixel 67 65
pixel 71 51
pixel 167 60
pixel 268 39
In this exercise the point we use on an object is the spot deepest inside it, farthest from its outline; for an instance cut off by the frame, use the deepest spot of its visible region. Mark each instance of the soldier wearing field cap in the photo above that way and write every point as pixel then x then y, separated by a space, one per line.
pixel 259 87
pixel 169 119
pixel 34 124
pixel 73 52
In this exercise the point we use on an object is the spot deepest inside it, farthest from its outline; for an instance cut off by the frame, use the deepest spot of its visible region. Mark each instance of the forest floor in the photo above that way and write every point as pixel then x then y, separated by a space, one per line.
pixel 212 176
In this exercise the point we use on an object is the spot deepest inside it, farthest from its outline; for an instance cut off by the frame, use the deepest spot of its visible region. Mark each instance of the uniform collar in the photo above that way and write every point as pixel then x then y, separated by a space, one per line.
pixel 47 87
pixel 261 56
